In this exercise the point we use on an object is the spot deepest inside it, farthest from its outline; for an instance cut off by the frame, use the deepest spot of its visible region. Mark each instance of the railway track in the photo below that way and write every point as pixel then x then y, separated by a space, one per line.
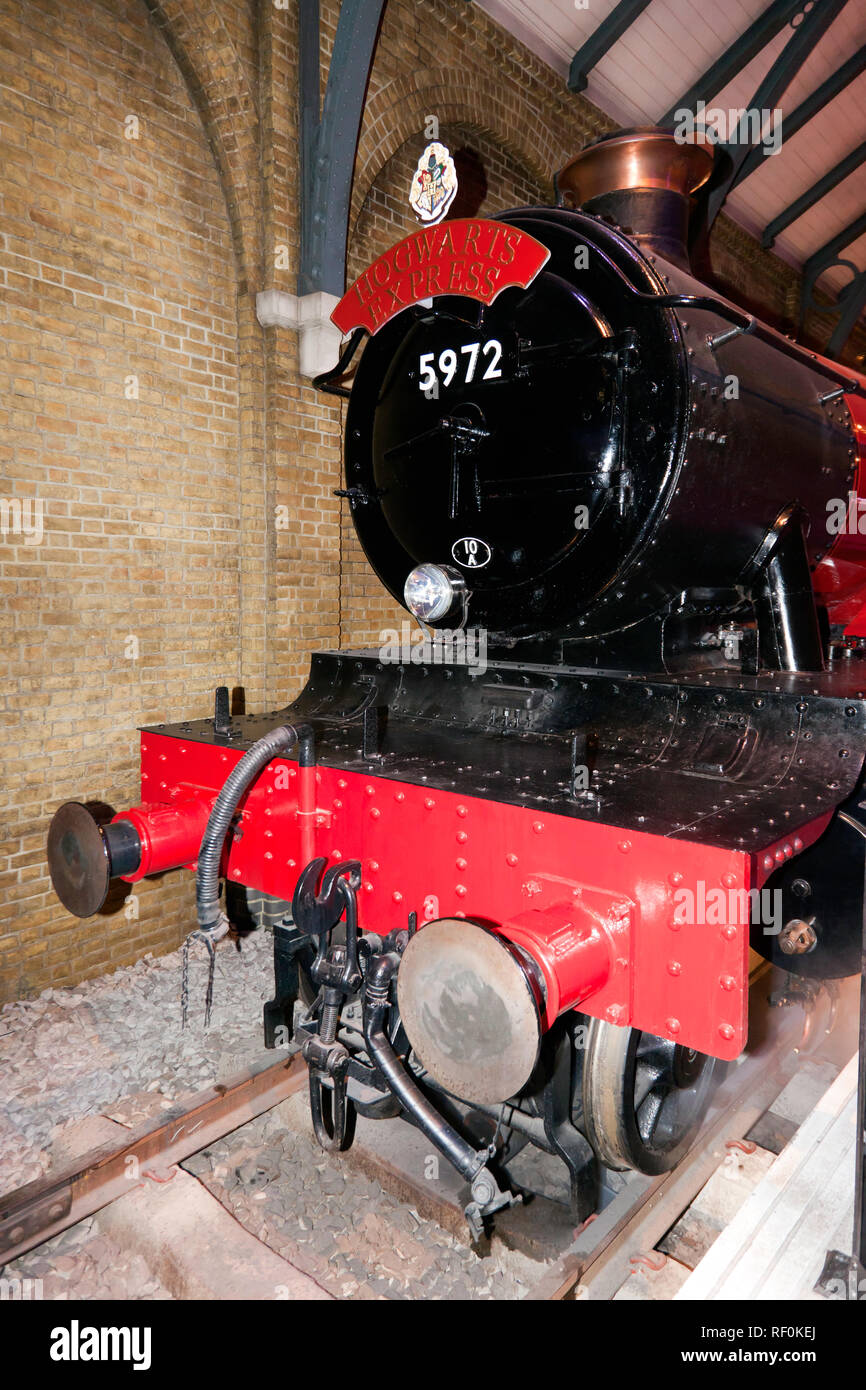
pixel 593 1264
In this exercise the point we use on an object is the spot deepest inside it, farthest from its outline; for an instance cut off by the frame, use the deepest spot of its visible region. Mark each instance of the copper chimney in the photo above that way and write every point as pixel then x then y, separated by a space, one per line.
pixel 643 180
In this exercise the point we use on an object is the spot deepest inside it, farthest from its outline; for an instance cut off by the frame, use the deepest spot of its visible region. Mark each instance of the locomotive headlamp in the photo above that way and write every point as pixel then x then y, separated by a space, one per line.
pixel 431 590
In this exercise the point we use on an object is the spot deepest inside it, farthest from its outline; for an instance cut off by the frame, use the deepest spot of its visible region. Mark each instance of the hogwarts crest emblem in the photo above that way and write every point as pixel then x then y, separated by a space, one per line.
pixel 434 184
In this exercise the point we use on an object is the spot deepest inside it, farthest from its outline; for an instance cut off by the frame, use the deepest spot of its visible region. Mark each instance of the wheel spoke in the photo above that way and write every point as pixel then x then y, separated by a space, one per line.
pixel 661 1092
pixel 647 1075
pixel 649 1113
pixel 656 1052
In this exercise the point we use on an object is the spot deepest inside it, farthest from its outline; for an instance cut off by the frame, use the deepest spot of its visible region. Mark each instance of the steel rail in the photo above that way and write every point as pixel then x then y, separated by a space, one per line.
pixel 645 1208
pixel 42 1209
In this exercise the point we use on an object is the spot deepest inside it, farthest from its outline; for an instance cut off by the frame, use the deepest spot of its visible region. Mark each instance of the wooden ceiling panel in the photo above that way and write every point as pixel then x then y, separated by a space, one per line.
pixel 667 48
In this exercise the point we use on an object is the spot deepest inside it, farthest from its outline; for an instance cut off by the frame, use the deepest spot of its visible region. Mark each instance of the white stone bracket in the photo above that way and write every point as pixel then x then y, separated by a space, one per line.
pixel 309 315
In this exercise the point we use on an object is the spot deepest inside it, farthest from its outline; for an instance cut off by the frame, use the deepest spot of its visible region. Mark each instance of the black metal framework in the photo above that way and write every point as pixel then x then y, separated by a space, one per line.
pixel 741 52
pixel 813 195
pixel 329 138
pixel 745 155
pixel 808 33
pixel 621 17
pixel 815 102
pixel 851 299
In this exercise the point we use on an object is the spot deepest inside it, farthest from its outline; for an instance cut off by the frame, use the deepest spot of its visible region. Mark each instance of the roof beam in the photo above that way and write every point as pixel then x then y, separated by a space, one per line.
pixel 807 35
pixel 601 39
pixel 850 303
pixel 827 254
pixel 813 195
pixel 741 52
pixel 821 97
pixel 851 298
pixel 328 142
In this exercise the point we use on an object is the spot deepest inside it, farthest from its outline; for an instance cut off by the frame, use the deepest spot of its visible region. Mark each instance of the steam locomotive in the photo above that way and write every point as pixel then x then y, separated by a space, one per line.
pixel 514 862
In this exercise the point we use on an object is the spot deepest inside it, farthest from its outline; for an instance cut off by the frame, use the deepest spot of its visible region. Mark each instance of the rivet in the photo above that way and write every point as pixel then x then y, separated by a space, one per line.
pixel 674 924
pixel 342 784
pixel 462 811
pixel 672 1025
pixel 674 967
pixel 729 880
pixel 368 887
pixel 624 846
pixel 726 1030
pixel 727 982
pixel 675 879
pixel 374 866
pixel 613 1012
pixel 460 890
pixel 336 854
pixel 798 843
pixel 292 863
pixel 337 803
pixel 268 854
pixel 462 837
pixel 538 826
pixel 375 812
pixel 779 856
pixel 768 861
pixel 398 897
pixel 236 873
pixel 511 860
pixel 461 864
pixel 399 796
pixel 729 933
pixel 371 791
pixel 429 803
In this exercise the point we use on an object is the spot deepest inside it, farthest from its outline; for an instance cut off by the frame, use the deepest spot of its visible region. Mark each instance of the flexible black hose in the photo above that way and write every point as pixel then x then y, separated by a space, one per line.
pixel 210 915
pixel 465 1159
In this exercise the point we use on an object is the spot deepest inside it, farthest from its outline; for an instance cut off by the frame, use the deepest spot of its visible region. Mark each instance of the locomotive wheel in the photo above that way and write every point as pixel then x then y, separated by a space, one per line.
pixel 643 1097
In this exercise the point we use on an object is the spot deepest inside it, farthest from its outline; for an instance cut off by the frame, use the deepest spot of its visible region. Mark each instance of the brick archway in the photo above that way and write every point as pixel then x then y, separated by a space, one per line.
pixel 221 85
pixel 397 113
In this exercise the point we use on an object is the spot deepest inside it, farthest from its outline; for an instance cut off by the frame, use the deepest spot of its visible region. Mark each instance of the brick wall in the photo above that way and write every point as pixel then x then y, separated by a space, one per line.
pixel 199 517
pixel 120 414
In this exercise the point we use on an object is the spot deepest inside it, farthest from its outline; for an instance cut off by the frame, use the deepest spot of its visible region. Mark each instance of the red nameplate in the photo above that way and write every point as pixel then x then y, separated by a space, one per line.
pixel 470 256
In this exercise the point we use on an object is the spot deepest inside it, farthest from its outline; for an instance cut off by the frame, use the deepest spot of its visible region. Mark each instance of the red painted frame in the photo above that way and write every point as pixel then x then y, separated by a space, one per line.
pixel 547 881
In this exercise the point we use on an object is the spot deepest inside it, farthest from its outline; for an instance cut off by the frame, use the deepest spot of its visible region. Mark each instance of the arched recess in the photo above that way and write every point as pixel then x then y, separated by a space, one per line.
pixel 397 113
pixel 221 87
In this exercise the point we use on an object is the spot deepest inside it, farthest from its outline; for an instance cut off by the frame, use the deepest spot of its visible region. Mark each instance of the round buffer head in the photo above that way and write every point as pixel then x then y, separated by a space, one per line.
pixel 78 859
pixel 471 1006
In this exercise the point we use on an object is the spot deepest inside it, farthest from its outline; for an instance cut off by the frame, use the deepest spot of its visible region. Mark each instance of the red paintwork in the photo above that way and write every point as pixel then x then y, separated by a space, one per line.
pixel 595 905
pixel 478 257
pixel 840 578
